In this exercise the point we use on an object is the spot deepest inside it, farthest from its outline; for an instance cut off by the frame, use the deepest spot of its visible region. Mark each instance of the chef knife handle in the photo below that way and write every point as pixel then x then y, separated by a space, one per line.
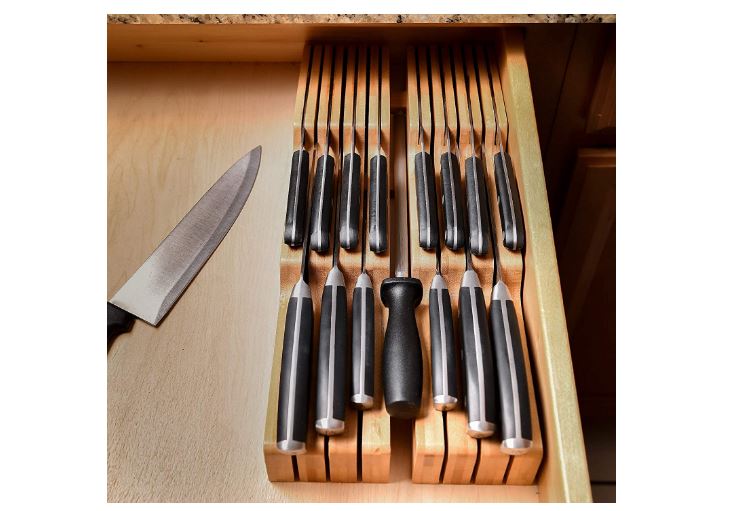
pixel 452 201
pixel 296 202
pixel 514 413
pixel 426 200
pixel 349 216
pixel 331 376
pixel 378 195
pixel 479 231
pixel 322 204
pixel 294 377
pixel 442 347
pixel 118 322
pixel 363 344
pixel 476 354
pixel 514 234
pixel 402 349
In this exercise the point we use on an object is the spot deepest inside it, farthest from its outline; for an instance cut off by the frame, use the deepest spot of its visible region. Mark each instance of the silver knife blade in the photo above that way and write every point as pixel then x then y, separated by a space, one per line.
pixel 155 287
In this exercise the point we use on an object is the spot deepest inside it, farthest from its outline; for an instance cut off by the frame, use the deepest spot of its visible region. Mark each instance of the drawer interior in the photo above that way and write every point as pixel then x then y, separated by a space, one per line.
pixel 185 102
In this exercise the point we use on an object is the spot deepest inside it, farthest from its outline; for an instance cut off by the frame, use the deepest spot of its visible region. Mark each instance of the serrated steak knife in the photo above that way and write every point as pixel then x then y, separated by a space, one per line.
pixel 155 287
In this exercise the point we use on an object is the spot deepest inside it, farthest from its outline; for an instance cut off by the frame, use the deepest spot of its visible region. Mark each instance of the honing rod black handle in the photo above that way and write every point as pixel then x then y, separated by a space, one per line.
pixel 322 204
pixel 476 354
pixel 402 350
pixel 514 234
pixel 442 347
pixel 118 322
pixel 378 197
pixel 453 203
pixel 349 216
pixel 515 413
pixel 331 377
pixel 426 201
pixel 479 229
pixel 296 201
pixel 363 344
pixel 294 378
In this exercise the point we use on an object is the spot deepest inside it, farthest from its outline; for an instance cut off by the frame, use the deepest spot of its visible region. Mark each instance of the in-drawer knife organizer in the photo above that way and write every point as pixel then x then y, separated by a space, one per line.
pixel 357 142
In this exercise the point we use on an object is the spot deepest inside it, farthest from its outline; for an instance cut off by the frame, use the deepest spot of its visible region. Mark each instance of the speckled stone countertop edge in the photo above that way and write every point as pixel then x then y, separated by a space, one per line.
pixel 248 19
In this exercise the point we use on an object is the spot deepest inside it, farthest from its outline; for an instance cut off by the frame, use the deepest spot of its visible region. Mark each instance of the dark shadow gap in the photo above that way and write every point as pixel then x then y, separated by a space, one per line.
pixel 445 447
pixel 476 463
pixel 295 469
pixel 359 445
pixel 328 463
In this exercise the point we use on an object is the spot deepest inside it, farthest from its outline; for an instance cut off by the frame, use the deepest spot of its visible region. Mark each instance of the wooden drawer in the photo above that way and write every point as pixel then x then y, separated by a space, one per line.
pixel 187 423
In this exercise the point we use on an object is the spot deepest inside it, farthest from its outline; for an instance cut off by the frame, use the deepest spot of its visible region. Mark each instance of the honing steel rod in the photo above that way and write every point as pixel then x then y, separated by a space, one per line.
pixel 442 345
pixel 513 403
pixel 509 201
pixel 478 363
pixel 331 375
pixel 296 361
pixel 402 349
pixel 296 203
pixel 348 223
pixel 363 309
pixel 425 174
pixel 478 227
pixel 320 227
pixel 379 180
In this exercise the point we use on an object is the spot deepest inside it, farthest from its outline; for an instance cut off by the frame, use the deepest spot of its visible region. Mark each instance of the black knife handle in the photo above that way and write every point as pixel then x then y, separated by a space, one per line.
pixel 294 378
pixel 479 230
pixel 514 234
pixel 378 195
pixel 426 201
pixel 296 201
pixel 118 322
pixel 476 354
pixel 363 344
pixel 322 205
pixel 402 349
pixel 452 201
pixel 442 347
pixel 349 216
pixel 331 380
pixel 515 413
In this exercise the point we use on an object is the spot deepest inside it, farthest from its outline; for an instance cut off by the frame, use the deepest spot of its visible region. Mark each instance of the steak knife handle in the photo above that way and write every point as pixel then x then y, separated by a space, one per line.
pixel 514 234
pixel 479 230
pixel 118 322
pixel 294 377
pixel 349 215
pixel 296 202
pixel 426 201
pixel 331 378
pixel 452 201
pixel 322 205
pixel 402 349
pixel 378 196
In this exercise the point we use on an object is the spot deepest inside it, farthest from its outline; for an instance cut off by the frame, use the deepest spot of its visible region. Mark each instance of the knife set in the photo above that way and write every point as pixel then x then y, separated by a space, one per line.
pixel 401 274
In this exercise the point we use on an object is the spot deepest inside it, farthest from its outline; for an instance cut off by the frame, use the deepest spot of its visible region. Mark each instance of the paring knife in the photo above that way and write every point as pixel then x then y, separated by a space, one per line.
pixel 160 281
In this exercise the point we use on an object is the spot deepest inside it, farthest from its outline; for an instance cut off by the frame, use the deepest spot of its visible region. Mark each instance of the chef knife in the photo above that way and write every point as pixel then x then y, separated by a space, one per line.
pixel 160 281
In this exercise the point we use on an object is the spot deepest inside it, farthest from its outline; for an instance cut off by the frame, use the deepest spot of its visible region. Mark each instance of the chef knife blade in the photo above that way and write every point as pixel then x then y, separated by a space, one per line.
pixel 154 288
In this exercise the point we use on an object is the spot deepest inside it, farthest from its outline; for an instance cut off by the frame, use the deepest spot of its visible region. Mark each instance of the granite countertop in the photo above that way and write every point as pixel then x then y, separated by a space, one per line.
pixel 136 19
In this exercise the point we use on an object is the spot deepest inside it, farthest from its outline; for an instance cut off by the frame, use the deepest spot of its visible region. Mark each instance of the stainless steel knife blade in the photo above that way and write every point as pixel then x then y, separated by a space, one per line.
pixel 155 287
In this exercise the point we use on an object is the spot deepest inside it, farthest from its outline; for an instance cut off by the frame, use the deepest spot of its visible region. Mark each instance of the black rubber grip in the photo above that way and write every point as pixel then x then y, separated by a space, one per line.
pixel 294 378
pixel 402 349
pixel 442 348
pixel 331 376
pixel 479 229
pixel 478 364
pixel 363 344
pixel 514 233
pixel 296 201
pixel 515 413
pixel 426 201
pixel 322 205
pixel 378 195
pixel 349 216
pixel 453 204
pixel 118 322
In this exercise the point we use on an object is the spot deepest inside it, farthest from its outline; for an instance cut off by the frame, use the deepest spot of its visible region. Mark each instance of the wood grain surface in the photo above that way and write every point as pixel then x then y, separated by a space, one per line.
pixel 187 400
